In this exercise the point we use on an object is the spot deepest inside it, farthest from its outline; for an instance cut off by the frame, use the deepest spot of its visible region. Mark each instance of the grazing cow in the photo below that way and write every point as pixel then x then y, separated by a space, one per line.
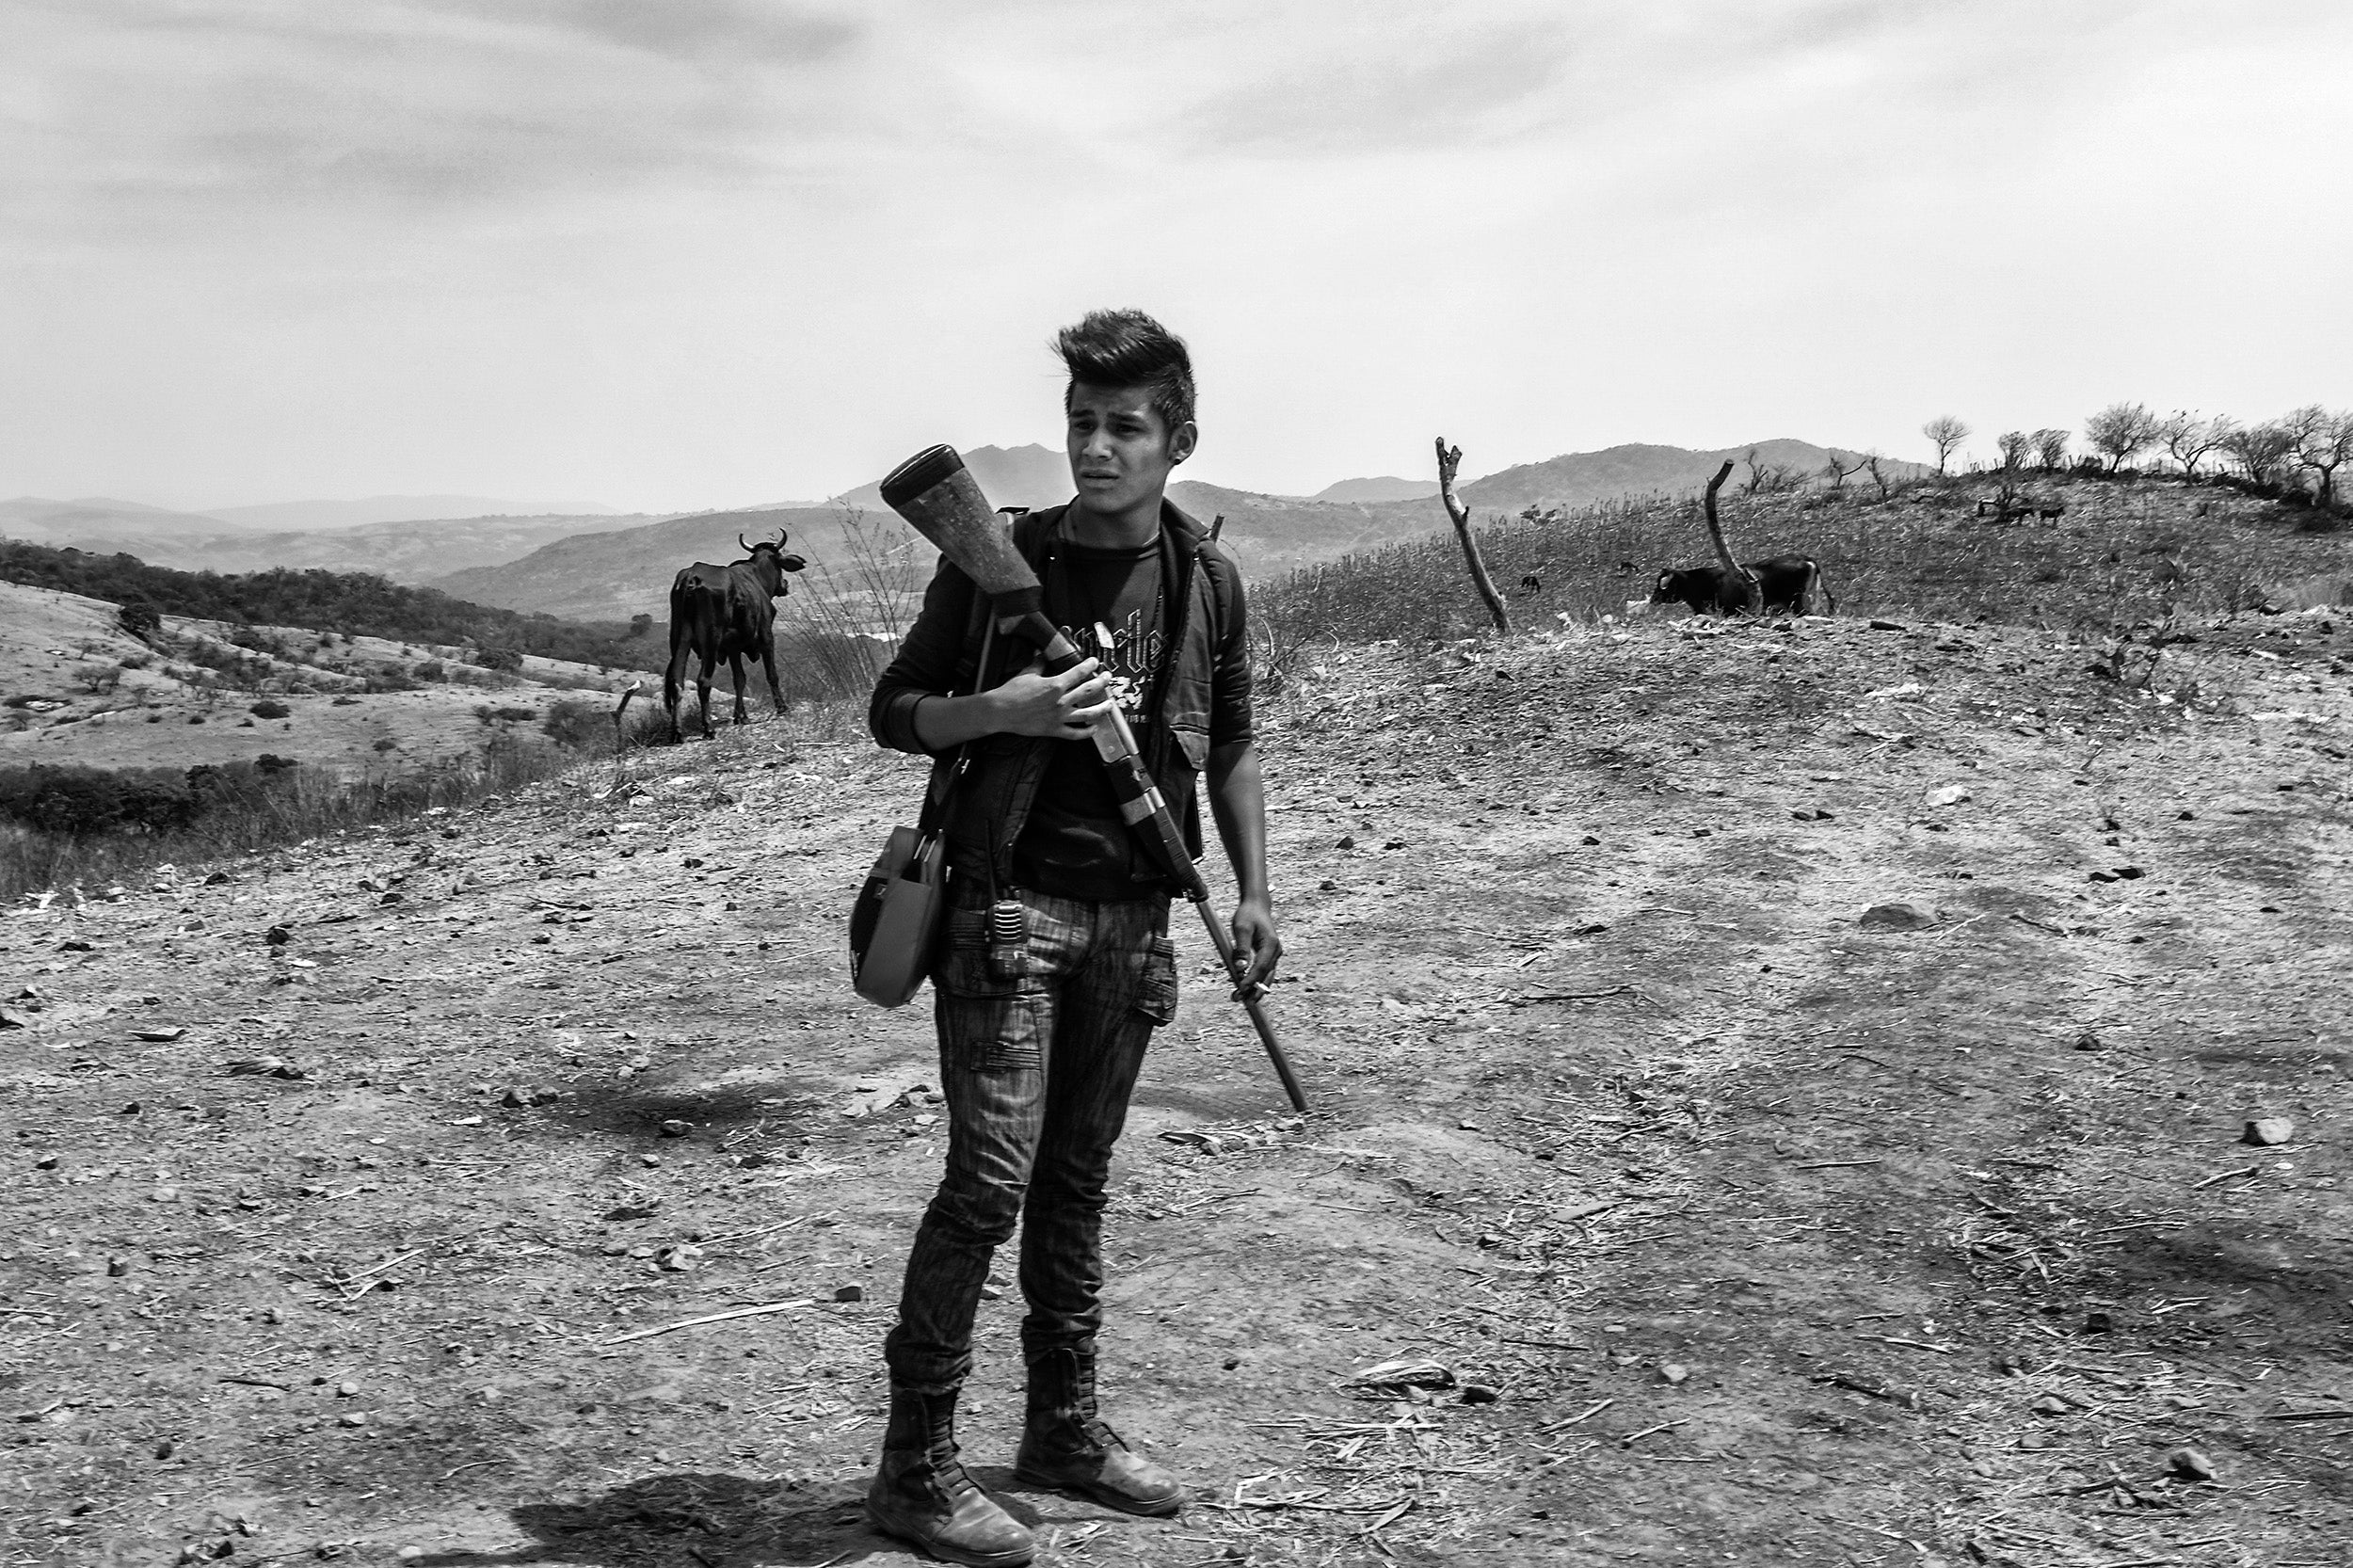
pixel 1785 580
pixel 724 613
pixel 2051 510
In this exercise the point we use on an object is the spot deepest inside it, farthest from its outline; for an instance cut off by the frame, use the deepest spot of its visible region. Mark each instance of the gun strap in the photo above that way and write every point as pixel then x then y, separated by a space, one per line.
pixel 934 816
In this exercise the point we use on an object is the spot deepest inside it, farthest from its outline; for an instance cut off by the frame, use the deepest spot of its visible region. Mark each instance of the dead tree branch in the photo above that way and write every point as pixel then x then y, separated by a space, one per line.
pixel 1753 592
pixel 1449 460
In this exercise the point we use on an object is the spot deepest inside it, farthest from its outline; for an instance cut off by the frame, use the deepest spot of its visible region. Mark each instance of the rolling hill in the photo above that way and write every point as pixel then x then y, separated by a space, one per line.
pixel 102 523
pixel 621 571
pixel 285 516
pixel 404 551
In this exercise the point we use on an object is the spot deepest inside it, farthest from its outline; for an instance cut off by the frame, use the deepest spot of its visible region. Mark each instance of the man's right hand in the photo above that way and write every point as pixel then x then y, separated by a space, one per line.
pixel 1059 706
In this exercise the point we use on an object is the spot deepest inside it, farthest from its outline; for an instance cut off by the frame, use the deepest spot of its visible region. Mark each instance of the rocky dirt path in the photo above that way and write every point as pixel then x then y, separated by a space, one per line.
pixel 1714 1220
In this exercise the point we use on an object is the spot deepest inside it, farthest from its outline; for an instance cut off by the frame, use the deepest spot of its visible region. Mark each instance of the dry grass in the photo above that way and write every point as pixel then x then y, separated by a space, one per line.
pixel 2126 550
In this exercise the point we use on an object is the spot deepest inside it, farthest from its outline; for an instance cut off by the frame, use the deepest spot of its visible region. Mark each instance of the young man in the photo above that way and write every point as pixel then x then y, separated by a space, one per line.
pixel 1056 964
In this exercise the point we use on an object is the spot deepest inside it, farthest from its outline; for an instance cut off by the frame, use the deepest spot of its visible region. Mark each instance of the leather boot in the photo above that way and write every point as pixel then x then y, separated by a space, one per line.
pixel 923 1494
pixel 1068 1445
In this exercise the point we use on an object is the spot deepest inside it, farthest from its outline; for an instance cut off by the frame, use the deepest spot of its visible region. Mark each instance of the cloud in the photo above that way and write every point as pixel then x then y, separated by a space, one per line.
pixel 139 120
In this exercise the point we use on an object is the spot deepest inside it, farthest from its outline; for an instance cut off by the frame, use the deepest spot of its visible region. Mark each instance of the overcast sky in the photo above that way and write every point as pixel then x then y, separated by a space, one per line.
pixel 679 253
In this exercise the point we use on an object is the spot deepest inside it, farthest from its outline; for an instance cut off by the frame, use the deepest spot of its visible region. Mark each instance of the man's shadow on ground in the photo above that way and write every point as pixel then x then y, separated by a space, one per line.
pixel 722 1520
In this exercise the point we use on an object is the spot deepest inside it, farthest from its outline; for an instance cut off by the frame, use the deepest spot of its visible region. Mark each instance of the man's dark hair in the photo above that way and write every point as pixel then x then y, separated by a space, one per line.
pixel 1127 349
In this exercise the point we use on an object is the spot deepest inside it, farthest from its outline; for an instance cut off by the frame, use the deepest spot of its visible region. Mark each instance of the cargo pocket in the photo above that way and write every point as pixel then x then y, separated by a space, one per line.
pixel 989 1027
pixel 1155 988
pixel 962 969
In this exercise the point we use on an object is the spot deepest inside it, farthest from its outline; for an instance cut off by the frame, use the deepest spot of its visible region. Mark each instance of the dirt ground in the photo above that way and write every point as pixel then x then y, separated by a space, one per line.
pixel 1733 1226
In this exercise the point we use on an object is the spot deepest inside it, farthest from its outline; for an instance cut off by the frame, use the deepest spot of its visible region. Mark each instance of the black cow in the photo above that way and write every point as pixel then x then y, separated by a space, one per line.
pixel 724 613
pixel 1787 580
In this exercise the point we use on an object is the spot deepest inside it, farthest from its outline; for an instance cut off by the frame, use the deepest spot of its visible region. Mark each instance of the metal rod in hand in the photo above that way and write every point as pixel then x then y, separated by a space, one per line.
pixel 1248 996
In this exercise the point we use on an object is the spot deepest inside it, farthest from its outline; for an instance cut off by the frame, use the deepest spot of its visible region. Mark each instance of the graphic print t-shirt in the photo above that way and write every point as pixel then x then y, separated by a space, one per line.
pixel 1075 843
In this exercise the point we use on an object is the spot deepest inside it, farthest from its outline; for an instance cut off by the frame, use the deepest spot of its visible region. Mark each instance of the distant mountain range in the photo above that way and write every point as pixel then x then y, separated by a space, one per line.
pixel 599 564
pixel 1032 476
pixel 1378 490
pixel 295 516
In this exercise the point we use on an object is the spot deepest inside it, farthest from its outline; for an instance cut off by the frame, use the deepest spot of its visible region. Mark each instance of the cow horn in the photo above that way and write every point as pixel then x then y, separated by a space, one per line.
pixel 739 540
pixel 781 536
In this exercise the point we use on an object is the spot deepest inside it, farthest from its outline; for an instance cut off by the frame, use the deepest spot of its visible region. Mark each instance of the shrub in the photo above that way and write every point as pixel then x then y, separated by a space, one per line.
pixel 138 618
pixel 77 801
pixel 499 659
pixel 268 708
pixel 579 723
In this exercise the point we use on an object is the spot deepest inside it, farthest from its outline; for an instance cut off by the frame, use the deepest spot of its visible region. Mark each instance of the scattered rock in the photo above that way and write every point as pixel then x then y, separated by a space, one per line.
pixel 277 937
pixel 2102 876
pixel 642 1209
pixel 1473 1393
pixel 2099 1323
pixel 1347 842
pixel 676 1128
pixel 678 1258
pixel 1895 917
pixel 1589 840
pixel 1887 626
pixel 159 1036
pixel 2129 873
pixel 347 1390
pixel 117 1267
pixel 2050 1405
pixel 2089 1040
pixel 264 1066
pixel 352 1418
pixel 1674 1375
pixel 2190 1464
pixel 1951 795
pixel 12 1019
pixel 2267 1131
pixel 850 1293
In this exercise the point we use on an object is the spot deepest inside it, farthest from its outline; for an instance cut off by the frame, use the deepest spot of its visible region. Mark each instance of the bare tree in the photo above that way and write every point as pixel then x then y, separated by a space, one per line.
pixel 2187 437
pixel 2260 450
pixel 2323 441
pixel 1946 434
pixel 1449 461
pixel 1753 592
pixel 2050 449
pixel 1874 464
pixel 2016 446
pixel 2120 431
pixel 1769 478
pixel 1838 471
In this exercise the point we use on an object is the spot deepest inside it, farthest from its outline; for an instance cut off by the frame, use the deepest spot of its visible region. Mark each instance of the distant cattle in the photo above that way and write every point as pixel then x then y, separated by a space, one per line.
pixel 726 612
pixel 1785 580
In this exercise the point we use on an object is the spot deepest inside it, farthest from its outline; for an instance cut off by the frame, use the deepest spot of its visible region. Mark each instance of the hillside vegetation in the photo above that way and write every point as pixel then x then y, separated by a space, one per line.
pixel 2124 549
pixel 355 603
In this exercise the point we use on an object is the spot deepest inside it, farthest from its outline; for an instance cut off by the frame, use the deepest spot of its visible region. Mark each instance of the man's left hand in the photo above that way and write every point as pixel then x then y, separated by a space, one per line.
pixel 1254 944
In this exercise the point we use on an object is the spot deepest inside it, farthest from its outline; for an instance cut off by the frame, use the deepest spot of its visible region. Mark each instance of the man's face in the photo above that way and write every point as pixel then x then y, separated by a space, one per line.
pixel 1121 450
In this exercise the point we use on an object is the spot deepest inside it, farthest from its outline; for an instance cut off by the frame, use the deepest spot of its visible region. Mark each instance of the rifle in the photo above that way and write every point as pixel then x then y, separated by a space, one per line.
pixel 939 497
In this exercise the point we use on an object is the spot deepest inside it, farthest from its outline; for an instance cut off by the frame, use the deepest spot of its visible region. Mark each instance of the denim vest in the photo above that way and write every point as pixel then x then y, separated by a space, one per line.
pixel 992 804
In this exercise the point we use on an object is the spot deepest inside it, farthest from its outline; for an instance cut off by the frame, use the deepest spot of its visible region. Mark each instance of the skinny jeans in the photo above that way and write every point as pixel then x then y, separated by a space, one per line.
pixel 1039 1047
